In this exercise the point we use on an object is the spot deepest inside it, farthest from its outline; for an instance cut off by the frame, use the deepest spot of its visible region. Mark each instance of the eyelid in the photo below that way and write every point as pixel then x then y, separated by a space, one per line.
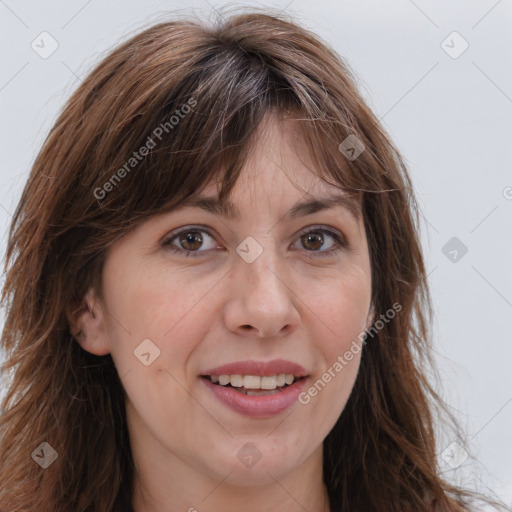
pixel 326 229
pixel 184 229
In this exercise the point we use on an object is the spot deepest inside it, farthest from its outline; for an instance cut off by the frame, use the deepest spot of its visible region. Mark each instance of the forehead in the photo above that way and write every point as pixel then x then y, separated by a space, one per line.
pixel 280 165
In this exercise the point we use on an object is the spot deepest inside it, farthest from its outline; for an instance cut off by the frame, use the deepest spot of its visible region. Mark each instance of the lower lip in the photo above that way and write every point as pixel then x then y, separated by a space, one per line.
pixel 257 406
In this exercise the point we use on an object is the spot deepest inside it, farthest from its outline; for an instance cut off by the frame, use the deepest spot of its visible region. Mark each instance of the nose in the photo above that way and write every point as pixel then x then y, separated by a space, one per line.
pixel 261 300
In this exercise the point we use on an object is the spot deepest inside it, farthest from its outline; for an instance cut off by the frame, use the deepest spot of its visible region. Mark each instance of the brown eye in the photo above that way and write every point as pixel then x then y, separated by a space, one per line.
pixel 314 239
pixel 190 240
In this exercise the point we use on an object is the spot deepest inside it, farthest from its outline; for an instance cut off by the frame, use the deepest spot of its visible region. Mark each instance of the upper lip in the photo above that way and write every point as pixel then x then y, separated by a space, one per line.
pixel 258 368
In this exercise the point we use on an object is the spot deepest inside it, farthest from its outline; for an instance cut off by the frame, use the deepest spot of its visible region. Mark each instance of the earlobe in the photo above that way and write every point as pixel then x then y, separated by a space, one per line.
pixel 87 326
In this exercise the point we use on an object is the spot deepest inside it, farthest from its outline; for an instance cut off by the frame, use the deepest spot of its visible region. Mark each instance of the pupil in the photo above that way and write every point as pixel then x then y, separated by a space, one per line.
pixel 310 237
pixel 189 239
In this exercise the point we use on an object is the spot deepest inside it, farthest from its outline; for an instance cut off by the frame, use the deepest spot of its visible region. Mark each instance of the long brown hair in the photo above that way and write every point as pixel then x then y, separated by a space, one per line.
pixel 193 95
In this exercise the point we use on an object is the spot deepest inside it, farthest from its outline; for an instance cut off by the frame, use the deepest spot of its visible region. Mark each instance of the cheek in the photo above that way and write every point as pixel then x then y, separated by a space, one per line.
pixel 177 308
pixel 338 320
pixel 348 317
pixel 144 312
pixel 153 300
pixel 341 309
pixel 173 313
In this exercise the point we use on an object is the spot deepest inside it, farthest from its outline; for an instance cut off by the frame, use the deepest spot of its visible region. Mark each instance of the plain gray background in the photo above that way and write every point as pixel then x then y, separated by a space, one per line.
pixel 450 113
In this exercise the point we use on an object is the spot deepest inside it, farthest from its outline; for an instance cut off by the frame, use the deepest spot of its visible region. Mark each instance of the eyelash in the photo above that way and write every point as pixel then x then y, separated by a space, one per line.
pixel 341 243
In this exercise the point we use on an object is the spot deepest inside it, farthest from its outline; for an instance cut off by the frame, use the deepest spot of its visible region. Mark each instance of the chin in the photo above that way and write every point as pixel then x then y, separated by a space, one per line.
pixel 255 460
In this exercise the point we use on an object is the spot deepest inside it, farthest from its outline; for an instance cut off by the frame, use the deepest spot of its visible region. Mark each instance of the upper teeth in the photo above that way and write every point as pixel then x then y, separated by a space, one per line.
pixel 254 381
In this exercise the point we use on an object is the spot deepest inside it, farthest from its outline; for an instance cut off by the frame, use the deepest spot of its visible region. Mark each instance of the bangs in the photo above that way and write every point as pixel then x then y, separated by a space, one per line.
pixel 201 128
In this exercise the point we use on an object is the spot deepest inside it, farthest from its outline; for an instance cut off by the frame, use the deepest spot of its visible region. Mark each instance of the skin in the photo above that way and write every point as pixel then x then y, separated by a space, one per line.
pixel 216 308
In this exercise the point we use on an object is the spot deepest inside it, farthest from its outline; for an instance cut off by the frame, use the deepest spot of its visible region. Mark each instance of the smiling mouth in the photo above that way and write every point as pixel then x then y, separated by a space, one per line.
pixel 254 385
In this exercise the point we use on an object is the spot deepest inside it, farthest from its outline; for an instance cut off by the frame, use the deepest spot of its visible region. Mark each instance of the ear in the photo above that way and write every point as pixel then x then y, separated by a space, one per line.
pixel 87 325
pixel 370 318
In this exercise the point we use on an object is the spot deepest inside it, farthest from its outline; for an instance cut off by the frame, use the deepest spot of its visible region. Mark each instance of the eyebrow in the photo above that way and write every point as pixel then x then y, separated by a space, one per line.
pixel 316 204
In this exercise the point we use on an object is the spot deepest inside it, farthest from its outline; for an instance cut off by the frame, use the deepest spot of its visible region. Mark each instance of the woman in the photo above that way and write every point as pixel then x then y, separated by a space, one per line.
pixel 216 293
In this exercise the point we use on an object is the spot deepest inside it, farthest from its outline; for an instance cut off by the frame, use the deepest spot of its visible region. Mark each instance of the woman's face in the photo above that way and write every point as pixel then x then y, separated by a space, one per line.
pixel 273 285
